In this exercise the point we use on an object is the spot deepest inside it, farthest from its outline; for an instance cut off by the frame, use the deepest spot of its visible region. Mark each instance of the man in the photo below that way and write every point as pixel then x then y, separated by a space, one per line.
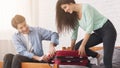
pixel 28 44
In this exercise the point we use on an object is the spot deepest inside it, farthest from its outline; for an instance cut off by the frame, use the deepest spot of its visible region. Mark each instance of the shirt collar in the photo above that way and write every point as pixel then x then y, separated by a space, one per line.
pixel 30 28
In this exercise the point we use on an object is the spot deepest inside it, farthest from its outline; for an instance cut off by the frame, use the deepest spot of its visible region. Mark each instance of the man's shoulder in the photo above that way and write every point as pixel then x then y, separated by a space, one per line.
pixel 40 29
pixel 16 35
pixel 34 28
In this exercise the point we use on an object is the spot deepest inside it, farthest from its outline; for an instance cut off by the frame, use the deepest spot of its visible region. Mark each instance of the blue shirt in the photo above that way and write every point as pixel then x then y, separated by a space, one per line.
pixel 36 36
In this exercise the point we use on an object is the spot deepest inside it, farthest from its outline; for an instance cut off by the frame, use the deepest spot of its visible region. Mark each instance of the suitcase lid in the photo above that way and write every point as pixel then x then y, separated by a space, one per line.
pixel 72 53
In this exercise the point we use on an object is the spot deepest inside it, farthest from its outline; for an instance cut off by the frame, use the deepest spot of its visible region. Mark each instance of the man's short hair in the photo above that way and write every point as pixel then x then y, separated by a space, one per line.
pixel 17 19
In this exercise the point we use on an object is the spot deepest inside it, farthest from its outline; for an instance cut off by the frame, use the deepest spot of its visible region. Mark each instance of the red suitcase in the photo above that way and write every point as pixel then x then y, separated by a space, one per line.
pixel 64 57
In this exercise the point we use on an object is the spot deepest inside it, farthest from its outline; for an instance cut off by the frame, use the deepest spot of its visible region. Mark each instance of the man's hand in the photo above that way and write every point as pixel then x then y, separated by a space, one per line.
pixel 52 49
pixel 42 58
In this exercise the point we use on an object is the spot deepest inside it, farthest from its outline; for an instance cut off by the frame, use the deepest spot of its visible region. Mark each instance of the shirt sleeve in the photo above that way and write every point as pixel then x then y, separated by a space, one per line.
pixel 49 35
pixel 75 33
pixel 89 19
pixel 20 48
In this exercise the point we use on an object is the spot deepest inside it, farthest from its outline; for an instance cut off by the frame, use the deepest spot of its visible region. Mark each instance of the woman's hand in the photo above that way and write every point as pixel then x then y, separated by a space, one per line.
pixel 72 47
pixel 81 50
pixel 72 44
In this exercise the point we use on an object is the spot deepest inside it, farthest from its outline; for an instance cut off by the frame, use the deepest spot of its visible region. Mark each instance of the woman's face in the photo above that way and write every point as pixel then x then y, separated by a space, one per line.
pixel 67 8
pixel 23 28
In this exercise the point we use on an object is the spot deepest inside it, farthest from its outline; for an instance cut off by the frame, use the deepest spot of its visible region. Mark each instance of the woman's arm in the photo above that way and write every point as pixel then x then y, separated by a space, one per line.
pixel 82 46
pixel 73 41
pixel 85 39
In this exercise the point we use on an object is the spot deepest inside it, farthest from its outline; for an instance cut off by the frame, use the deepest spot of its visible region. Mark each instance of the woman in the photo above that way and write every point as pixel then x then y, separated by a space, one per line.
pixel 70 16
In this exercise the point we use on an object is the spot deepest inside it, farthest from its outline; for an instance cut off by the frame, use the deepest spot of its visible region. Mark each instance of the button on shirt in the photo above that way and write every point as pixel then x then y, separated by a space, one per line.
pixel 35 36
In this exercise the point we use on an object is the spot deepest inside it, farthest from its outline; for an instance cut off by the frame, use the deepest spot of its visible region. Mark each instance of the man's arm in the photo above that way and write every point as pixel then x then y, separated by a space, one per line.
pixel 49 35
pixel 53 37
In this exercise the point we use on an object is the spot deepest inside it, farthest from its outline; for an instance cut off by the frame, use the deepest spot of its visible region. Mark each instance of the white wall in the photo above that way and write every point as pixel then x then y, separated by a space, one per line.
pixel 9 8
pixel 109 8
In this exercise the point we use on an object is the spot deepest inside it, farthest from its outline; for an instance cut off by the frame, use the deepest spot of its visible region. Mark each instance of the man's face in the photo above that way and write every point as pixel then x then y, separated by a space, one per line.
pixel 23 28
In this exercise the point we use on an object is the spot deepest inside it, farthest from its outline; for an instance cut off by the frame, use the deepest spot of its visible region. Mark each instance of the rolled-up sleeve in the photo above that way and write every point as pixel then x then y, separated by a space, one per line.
pixel 49 35
pixel 20 48
pixel 75 33
pixel 55 38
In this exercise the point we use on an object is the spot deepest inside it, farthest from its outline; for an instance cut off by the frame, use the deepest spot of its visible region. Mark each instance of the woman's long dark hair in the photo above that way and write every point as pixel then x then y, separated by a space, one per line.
pixel 65 21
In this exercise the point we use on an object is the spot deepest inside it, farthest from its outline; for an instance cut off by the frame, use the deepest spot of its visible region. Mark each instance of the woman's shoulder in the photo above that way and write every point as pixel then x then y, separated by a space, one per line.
pixel 86 5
